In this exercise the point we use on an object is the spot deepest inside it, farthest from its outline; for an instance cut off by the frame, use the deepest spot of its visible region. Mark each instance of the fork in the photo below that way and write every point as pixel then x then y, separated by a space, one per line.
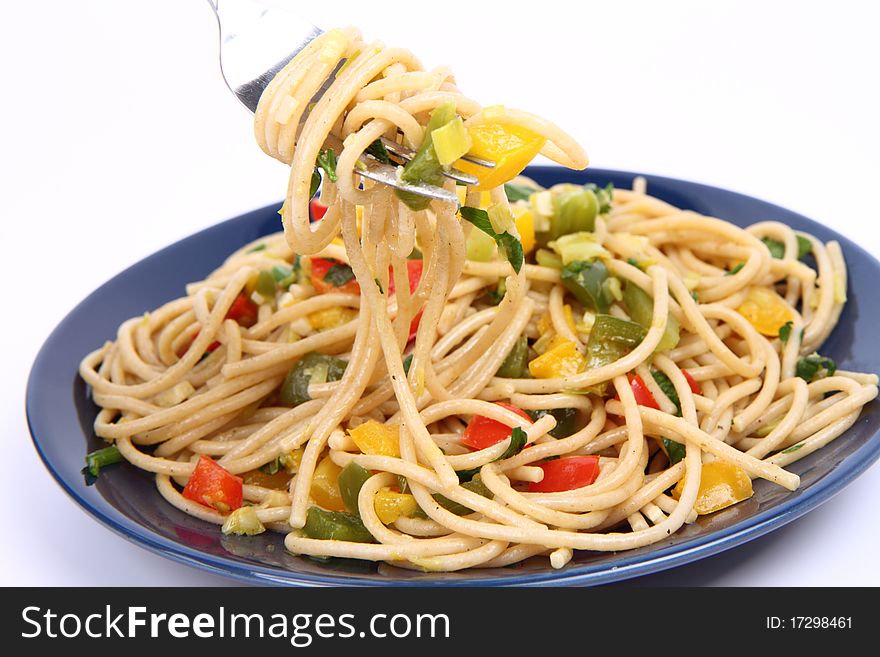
pixel 257 40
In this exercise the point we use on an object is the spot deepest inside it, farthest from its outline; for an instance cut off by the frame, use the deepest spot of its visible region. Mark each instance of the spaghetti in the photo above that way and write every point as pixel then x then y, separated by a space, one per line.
pixel 569 369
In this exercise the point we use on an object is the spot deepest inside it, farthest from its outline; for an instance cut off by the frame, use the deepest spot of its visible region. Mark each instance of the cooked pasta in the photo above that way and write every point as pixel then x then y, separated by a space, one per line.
pixel 547 370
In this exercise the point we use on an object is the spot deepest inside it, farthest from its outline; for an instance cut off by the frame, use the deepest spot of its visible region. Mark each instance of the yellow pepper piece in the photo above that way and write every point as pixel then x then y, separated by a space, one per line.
pixel 525 226
pixel 325 486
pixel 511 147
pixel 545 324
pixel 561 359
pixel 373 437
pixel 569 318
pixel 390 505
pixel 766 311
pixel 722 484
pixel 331 317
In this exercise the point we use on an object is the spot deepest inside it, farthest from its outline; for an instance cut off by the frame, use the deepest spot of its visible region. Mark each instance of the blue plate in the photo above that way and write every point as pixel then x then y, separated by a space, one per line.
pixel 60 416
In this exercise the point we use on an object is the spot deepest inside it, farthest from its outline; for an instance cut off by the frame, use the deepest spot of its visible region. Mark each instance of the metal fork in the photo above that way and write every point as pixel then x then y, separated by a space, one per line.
pixel 257 40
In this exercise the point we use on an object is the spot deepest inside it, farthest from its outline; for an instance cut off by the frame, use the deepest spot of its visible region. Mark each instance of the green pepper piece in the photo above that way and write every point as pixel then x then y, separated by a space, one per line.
pixel 565 420
pixel 574 211
pixel 424 166
pixel 335 526
pixel 585 280
pixel 641 309
pixel 516 361
pixel 311 368
pixel 611 339
pixel 475 485
pixel 351 479
pixel 102 457
pixel 266 285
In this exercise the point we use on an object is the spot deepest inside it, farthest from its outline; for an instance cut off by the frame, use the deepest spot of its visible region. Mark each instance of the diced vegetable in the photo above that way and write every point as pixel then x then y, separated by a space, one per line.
pixel 475 485
pixel 335 526
pixel 325 485
pixel 317 210
pixel 266 285
pixel 377 149
pixel 575 210
pixel 611 338
pixel 351 479
pixel 414 275
pixel 668 389
pixel 578 246
pixel 511 147
pixel 244 521
pixel 641 308
pixel 327 161
pixel 566 473
pixel 777 249
pixel 212 485
pixel 765 310
pixel 101 458
pixel 451 141
pixel 642 393
pixel 328 318
pixel 391 505
pixel 482 432
pixel 425 166
pixel 516 192
pixel 695 387
pixel 605 195
pixel 675 451
pixel 333 276
pixel 565 420
pixel 480 247
pixel 509 245
pixel 586 280
pixel 525 226
pixel 373 437
pixel 243 311
pixel 561 359
pixel 547 258
pixel 814 366
pixel 311 368
pixel 722 484
pixel 514 364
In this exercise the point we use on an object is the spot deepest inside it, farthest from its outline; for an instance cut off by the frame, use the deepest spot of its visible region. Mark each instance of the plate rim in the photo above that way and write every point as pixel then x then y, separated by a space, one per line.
pixel 694 549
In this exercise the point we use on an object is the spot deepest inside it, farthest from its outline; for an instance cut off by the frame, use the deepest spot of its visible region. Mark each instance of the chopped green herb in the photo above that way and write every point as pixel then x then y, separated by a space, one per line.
pixel 793 448
pixel 777 249
pixel 407 362
pixel 518 192
pixel 565 420
pixel 518 439
pixel 315 183
pixel 259 247
pixel 634 263
pixel 339 274
pixel 814 365
pixel 736 269
pixel 805 246
pixel 668 389
pixel 785 332
pixel 674 450
pixel 509 245
pixel 327 161
pixel 379 285
pixel 415 254
pixel 377 149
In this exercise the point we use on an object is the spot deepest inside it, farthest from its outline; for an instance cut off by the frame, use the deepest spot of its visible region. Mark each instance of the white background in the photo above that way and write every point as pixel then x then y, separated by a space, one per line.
pixel 118 137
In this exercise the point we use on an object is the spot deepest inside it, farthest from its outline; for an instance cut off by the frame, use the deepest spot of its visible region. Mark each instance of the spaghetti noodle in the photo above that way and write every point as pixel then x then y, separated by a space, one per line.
pixel 569 369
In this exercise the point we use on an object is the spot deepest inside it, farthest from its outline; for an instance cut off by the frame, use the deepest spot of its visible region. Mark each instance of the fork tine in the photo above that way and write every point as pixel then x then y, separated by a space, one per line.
pixel 387 175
